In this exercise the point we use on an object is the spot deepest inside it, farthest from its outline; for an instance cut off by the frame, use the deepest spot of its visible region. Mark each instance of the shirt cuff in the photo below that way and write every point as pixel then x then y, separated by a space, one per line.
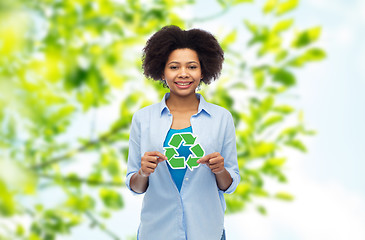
pixel 128 181
pixel 235 180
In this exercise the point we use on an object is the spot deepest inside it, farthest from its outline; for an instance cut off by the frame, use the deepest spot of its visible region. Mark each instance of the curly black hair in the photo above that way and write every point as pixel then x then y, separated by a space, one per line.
pixel 170 38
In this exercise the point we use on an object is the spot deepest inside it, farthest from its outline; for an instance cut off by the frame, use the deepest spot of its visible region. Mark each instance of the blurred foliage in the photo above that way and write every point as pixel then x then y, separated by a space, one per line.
pixel 63 60
pixel 256 91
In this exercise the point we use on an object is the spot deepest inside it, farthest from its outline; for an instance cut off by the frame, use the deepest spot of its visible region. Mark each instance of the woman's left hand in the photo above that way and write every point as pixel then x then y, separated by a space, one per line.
pixel 214 161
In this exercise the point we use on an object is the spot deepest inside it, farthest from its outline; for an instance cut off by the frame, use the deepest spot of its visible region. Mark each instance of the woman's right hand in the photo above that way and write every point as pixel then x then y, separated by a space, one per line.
pixel 149 162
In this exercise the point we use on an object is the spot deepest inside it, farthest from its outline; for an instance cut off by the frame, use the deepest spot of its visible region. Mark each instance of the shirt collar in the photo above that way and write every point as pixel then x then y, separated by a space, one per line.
pixel 203 105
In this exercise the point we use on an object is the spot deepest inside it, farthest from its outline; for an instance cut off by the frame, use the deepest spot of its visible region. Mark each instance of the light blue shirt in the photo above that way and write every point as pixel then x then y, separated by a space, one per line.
pixel 197 211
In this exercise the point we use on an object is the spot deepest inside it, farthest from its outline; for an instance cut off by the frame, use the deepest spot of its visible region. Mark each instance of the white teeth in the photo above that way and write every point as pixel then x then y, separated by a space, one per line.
pixel 183 84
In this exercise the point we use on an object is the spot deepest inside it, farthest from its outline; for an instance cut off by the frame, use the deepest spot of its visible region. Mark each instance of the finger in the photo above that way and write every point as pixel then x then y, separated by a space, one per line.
pixel 156 153
pixel 216 160
pixel 149 159
pixel 205 159
pixel 161 160
pixel 150 170
pixel 215 166
pixel 155 159
pixel 208 157
pixel 218 167
pixel 150 166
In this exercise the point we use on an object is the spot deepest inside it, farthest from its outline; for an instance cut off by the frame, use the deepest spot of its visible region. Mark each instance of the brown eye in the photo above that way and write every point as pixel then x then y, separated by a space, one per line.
pixel 193 67
pixel 173 67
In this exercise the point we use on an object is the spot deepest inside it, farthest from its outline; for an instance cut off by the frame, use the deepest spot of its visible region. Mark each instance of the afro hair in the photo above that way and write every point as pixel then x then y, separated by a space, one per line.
pixel 169 38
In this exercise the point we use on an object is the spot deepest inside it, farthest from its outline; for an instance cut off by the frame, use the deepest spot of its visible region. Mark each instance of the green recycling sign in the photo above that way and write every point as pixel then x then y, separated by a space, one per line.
pixel 180 162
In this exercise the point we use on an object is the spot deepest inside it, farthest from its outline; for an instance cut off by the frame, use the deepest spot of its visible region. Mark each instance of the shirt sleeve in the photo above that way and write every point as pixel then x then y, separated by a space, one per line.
pixel 229 153
pixel 134 152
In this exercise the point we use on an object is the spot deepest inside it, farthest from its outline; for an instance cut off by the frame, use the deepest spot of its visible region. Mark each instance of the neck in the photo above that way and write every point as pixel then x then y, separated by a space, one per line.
pixel 175 102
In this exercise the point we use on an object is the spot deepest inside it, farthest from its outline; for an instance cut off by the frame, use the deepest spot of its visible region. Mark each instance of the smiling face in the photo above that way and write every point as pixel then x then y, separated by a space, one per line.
pixel 182 72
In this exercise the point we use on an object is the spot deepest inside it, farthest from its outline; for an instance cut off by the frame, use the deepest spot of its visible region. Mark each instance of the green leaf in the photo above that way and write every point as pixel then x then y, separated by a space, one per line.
pixel 229 3
pixel 39 208
pixel 229 39
pixel 105 214
pixel 239 85
pixel 261 209
pixel 282 178
pixel 223 3
pixel 275 162
pixel 34 236
pixel 73 180
pixel 251 27
pixel 286 6
pixel 297 144
pixel 306 37
pixel 263 149
pixel 111 199
pixel 76 78
pixel 114 168
pixel 284 196
pixel 259 192
pixel 270 121
pixel 288 133
pixel 259 76
pixel 110 162
pixel 7 202
pixel 81 204
pixel 282 54
pixel 315 54
pixel 225 100
pixel 234 203
pixel 284 109
pixel 311 55
pixel 269 6
pixel 236 2
pixel 94 179
pixel 243 189
pixel 285 77
pixel 276 90
pixel 19 230
pixel 282 25
pixel 271 43
pixel 267 104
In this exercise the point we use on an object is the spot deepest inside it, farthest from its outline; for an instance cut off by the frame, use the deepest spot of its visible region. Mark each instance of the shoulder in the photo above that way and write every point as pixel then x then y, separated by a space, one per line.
pixel 216 110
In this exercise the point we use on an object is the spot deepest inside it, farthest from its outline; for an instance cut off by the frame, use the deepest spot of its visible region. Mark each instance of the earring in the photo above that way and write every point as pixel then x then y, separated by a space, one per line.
pixel 198 88
pixel 164 83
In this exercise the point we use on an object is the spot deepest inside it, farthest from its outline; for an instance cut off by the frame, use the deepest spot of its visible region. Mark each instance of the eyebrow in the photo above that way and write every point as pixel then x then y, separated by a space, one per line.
pixel 176 62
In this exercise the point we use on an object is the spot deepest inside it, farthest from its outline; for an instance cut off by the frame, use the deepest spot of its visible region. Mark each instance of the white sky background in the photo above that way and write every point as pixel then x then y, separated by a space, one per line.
pixel 328 182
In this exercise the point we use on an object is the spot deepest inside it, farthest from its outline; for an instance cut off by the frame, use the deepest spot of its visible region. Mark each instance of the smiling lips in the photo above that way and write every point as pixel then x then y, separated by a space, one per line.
pixel 183 84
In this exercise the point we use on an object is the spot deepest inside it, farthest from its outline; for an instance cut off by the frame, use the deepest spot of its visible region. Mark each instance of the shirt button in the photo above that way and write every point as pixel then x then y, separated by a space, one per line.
pixel 186 179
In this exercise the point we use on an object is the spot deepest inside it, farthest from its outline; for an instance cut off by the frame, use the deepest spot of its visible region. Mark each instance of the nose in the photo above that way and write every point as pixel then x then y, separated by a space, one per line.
pixel 183 72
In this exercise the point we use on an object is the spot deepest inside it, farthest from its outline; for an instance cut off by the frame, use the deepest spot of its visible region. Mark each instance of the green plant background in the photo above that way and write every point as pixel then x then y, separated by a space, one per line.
pixel 63 62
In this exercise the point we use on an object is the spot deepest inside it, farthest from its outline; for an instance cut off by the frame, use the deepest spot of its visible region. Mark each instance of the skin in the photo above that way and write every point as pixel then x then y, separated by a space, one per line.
pixel 182 66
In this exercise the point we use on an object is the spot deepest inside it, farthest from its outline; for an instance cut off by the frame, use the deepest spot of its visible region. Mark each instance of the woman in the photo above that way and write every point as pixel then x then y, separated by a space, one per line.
pixel 182 151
